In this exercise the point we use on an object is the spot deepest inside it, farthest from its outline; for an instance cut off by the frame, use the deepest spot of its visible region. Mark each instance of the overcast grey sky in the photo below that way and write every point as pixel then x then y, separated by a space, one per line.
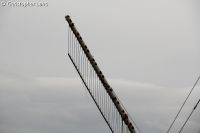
pixel 149 50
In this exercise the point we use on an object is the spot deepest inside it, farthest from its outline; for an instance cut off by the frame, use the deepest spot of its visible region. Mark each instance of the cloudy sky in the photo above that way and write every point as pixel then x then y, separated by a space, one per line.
pixel 149 50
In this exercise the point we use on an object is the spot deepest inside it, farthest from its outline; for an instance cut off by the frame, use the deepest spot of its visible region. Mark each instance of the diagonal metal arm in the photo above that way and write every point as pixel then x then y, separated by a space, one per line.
pixel 92 77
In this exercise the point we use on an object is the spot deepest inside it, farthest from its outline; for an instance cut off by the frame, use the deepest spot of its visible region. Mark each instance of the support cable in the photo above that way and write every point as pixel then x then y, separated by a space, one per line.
pixel 175 118
pixel 189 116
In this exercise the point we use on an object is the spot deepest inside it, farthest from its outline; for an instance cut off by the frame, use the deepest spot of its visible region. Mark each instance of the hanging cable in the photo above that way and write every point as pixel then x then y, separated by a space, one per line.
pixel 175 118
pixel 122 127
pixel 189 116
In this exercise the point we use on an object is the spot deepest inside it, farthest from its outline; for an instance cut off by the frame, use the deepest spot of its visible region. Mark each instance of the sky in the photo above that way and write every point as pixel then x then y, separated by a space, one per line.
pixel 149 50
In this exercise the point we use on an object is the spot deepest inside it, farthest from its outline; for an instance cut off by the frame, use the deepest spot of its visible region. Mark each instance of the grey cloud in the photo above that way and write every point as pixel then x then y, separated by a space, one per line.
pixel 54 108
pixel 60 104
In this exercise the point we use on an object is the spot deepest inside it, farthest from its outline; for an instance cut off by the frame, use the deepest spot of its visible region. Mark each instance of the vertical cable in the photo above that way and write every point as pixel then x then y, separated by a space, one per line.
pixel 72 39
pixel 107 102
pixel 83 65
pixel 76 49
pixel 69 45
pixel 117 121
pixel 78 54
pixel 94 77
pixel 122 127
pixel 68 40
pixel 114 123
pixel 72 45
pixel 102 96
pixel 86 75
pixel 92 80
